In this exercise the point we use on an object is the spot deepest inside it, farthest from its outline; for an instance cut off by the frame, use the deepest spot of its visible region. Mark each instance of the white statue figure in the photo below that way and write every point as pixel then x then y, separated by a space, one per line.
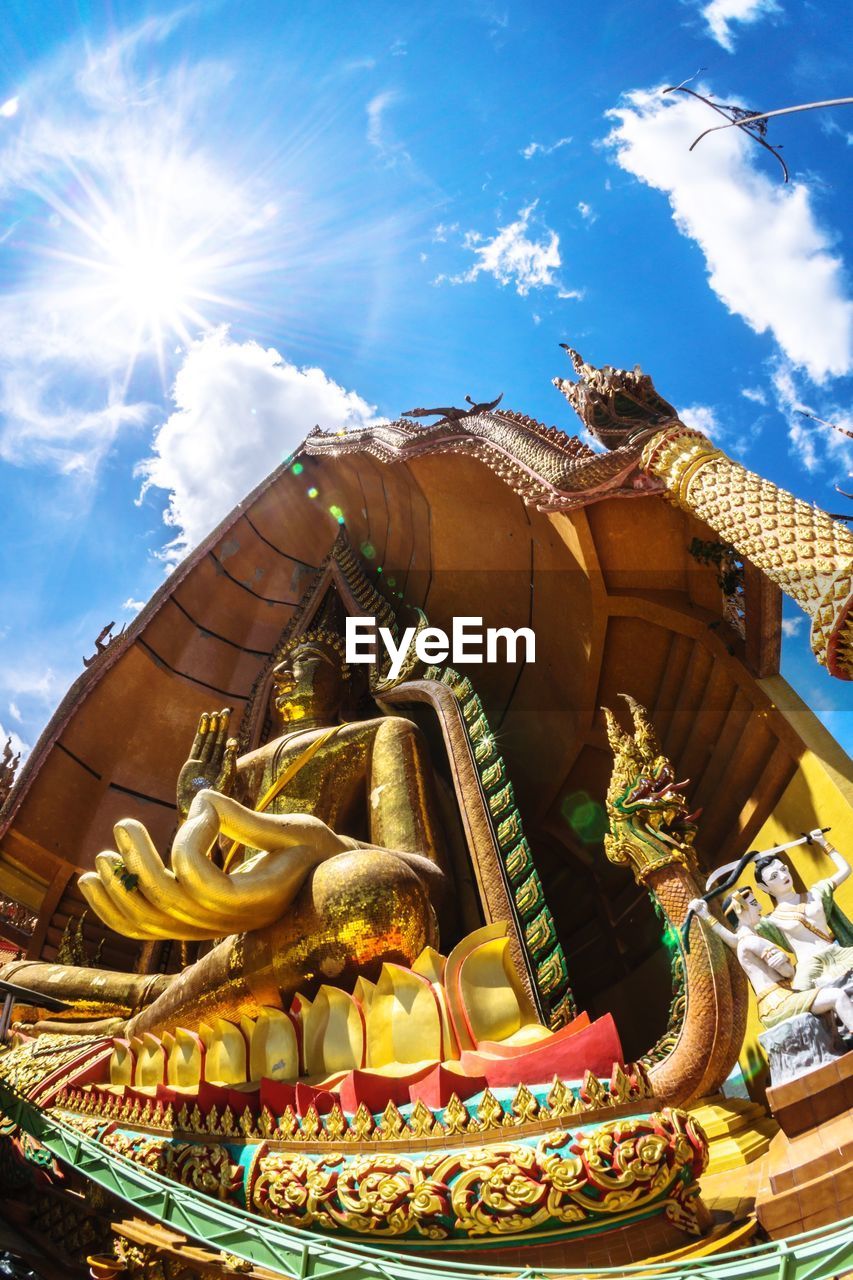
pixel 767 967
pixel 810 925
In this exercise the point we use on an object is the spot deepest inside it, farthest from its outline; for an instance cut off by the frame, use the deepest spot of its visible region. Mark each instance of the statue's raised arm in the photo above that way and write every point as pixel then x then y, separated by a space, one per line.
pixel 842 866
pixel 809 924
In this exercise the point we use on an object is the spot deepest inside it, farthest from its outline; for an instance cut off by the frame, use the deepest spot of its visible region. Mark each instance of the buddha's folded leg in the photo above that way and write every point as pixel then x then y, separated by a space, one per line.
pixel 356 911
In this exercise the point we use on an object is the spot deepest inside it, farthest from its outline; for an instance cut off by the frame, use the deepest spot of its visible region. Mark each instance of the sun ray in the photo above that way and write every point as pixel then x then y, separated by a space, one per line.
pixel 153 251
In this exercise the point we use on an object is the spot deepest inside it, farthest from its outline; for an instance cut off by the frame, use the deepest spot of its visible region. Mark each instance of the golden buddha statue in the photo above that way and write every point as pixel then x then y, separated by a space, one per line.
pixel 331 854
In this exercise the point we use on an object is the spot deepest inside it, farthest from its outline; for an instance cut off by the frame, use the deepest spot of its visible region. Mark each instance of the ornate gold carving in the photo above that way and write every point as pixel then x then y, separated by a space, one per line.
pixel 335 1125
pixel 800 548
pixel 490 1113
pixel 620 1085
pixel 649 829
pixel 561 1100
pixel 508 1189
pixel 392 1123
pixel 361 1125
pixel 288 1125
pixel 72 947
pixel 421 1121
pixel 311 1127
pixel 9 761
pixel 205 1168
pixel 524 1105
pixel 28 1064
pixel 456 1117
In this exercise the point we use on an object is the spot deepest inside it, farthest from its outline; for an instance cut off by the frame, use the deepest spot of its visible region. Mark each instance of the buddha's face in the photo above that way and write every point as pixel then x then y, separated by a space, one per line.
pixel 775 878
pixel 308 684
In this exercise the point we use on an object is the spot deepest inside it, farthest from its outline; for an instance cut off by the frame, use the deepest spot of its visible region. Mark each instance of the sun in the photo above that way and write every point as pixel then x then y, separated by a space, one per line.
pixel 147 256
pixel 151 279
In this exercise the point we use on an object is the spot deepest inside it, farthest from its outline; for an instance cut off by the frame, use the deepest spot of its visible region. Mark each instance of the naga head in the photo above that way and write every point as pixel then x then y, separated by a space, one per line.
pixel 650 825
pixel 615 405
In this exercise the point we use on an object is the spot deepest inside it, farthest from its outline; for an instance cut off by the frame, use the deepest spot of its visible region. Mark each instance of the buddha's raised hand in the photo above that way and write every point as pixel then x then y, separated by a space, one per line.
pixel 137 895
pixel 212 761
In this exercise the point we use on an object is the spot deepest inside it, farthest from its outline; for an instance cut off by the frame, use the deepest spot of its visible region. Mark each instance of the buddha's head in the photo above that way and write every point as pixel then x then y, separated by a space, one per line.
pixel 773 876
pixel 742 908
pixel 309 682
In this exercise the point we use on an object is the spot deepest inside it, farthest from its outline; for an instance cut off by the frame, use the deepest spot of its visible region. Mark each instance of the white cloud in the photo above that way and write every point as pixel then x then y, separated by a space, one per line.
pixel 366 63
pixel 30 690
pixel 240 409
pixel 818 448
pixel 792 626
pixel 376 108
pixel 701 417
pixel 30 680
pixel 132 606
pixel 720 13
pixel 107 152
pixel 38 665
pixel 831 128
pixel 40 426
pixel 108 77
pixel 443 230
pixel 514 257
pixel 9 108
pixel 540 148
pixel 768 259
pixel 386 147
pixel 755 394
pixel 587 212
pixel 801 434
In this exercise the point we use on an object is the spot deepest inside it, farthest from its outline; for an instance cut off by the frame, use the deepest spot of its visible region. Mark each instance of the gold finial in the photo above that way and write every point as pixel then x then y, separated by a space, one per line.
pixel 645 737
pixel 620 742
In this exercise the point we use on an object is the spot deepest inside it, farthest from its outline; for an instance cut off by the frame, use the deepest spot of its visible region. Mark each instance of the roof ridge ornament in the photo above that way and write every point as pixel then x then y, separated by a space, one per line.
pixel 451 414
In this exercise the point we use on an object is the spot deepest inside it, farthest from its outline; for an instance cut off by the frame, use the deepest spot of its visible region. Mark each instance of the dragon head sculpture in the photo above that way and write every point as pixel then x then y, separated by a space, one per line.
pixel 616 405
pixel 650 826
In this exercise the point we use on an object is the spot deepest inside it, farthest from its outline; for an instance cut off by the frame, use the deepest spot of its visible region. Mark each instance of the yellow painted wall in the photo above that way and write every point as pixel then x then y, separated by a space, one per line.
pixel 19 885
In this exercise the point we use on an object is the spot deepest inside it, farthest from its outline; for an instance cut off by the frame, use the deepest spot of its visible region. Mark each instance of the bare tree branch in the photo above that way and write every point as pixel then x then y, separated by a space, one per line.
pixel 780 111
pixel 752 125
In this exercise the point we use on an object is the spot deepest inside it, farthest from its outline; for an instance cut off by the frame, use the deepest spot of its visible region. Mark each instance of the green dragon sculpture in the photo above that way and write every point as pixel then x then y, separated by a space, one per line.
pixel 652 832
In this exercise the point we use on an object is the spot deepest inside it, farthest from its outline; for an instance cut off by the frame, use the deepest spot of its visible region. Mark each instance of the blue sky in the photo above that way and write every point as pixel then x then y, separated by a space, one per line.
pixel 222 223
